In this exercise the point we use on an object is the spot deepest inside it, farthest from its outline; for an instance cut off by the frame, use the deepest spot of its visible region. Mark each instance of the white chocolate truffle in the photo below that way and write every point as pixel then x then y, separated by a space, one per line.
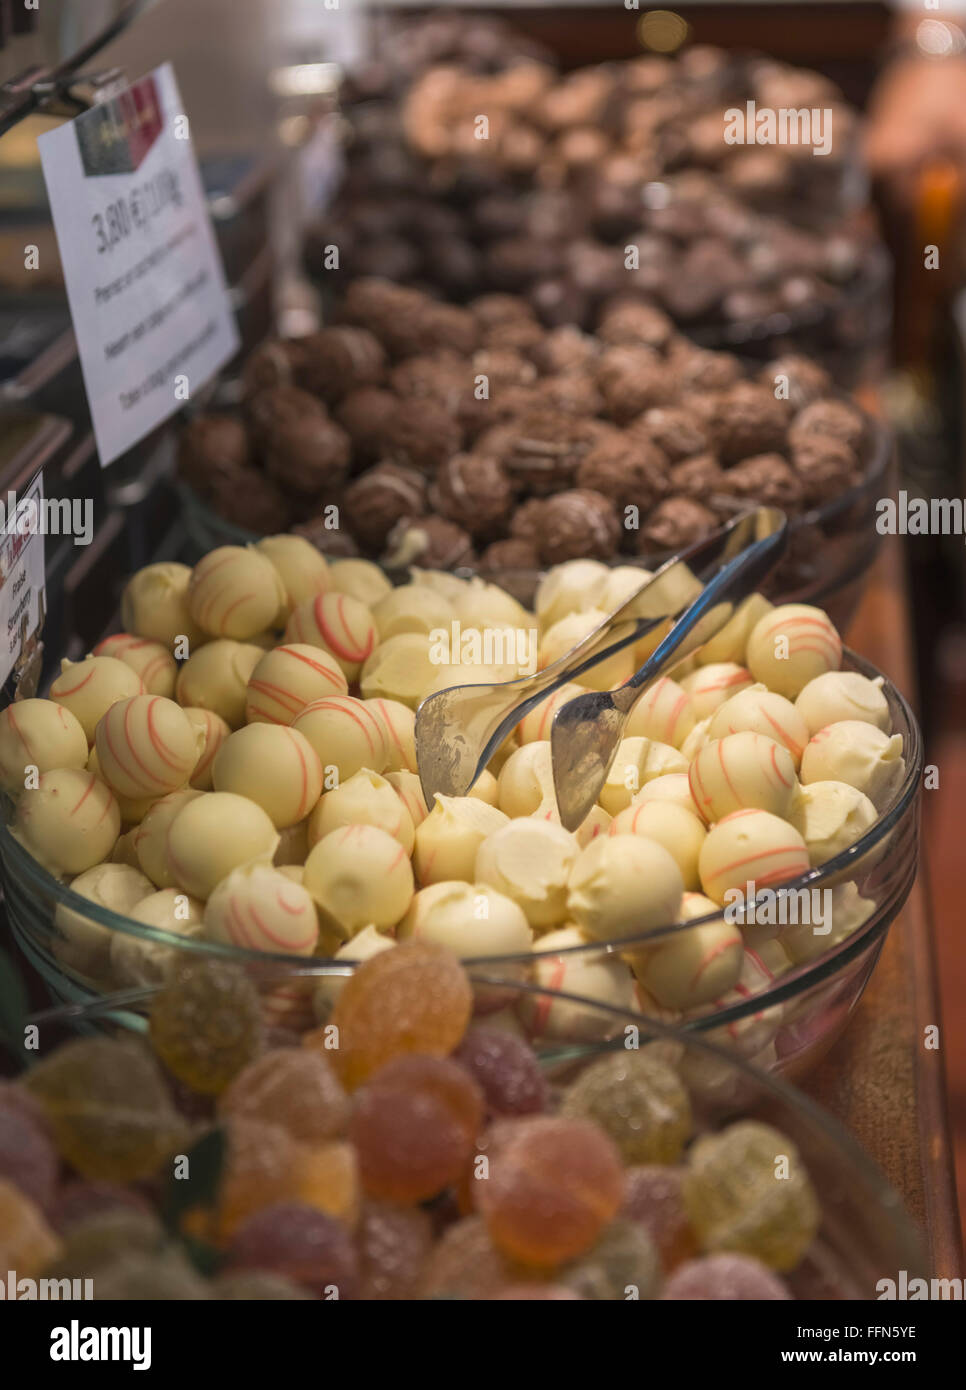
pixel 38 734
pixel 470 919
pixel 503 754
pixel 530 861
pixel 637 762
pixel 293 845
pixel 346 734
pixel 88 688
pixel 235 592
pixel 274 766
pixel 696 739
pixel 710 686
pixel 446 675
pixel 399 726
pixel 359 579
pixel 856 752
pixel 125 850
pixel 216 677
pixel 147 747
pixel 526 780
pixel 451 586
pixel 841 695
pixel 599 978
pixel 484 605
pixel 302 569
pixel 81 943
pixel 133 809
pixel 137 961
pixel 535 726
pixel 792 645
pixel 260 909
pixel 155 604
pixel 622 581
pixel 694 966
pixel 750 846
pixel 214 833
pixel 363 799
pixel 695 905
pixel 847 910
pixel 340 625
pixel 151 836
pixel 761 711
pixel 289 678
pixel 753 1032
pixel 729 644
pixel 214 731
pixel 831 816
pixel 69 822
pixel 288 1004
pixel 448 839
pixel 358 876
pixel 486 788
pixel 152 662
pixel 679 831
pixel 742 770
pixel 622 885
pixel 364 945
pixel 569 588
pixel 560 639
pixel 399 669
pixel 409 789
pixel 596 822
pixel 411 608
pixel 664 712
pixel 672 786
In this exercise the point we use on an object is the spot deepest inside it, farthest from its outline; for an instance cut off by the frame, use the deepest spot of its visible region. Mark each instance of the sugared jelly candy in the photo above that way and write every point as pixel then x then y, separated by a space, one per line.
pixel 506 1070
pixel 553 1184
pixel 105 1237
pixel 466 1264
pixel 205 1023
pixel 28 1158
pixel 260 1169
pixel 414 1127
pixel 536 1293
pixel 305 1245
pixel 109 1107
pixel 746 1190
pixel 294 1087
pixel 257 1286
pixel 27 1244
pixel 166 1277
pixel 415 998
pixel 623 1264
pixel 327 1178
pixel 655 1199
pixel 639 1100
pixel 723 1278
pixel 393 1244
pixel 79 1200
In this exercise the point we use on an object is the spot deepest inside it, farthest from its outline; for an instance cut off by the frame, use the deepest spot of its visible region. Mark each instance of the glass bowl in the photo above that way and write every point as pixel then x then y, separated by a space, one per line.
pixel 785 1012
pixel 864 1233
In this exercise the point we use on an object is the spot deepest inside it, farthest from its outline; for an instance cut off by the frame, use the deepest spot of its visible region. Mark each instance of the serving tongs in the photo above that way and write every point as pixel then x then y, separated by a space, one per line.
pixel 679 608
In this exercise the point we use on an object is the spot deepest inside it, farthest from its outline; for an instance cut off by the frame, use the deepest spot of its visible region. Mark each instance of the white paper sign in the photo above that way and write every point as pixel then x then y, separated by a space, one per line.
pixel 22 575
pixel 144 276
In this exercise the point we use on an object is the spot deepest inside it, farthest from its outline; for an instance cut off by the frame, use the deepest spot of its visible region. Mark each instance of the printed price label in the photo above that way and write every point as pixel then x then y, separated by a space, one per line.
pixel 144 276
pixel 22 576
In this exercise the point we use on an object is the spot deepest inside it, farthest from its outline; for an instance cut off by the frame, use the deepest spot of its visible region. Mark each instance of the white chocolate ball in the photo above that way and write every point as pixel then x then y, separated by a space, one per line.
pixel 151 836
pixel 750 846
pixel 741 770
pixel 664 712
pixel 448 839
pixel 346 734
pixel 133 809
pixel 216 676
pixel 858 753
pixel 69 822
pixel 399 726
pixel 710 686
pixel 535 726
pixel 560 639
pixel 40 734
pixel 485 788
pixel 411 608
pixel 447 675
pixel 637 762
pixel 526 780
pixel 792 645
pixel 730 642
pixel 668 824
pixel 83 944
pixel 124 851
pixel 408 788
pixel 839 695
pixel 359 579
pixel 622 581
pixel 847 911
pixel 761 711
pixel 622 885
pixel 359 876
pixel 569 588
pixel 293 845
pixel 147 747
pixel 155 605
pixel 138 962
pixel 470 919
pixel 214 833
pixel 302 569
pixel 399 669
pixel 260 909
pixel 598 978
pixel 214 731
pixel 596 822
pixel 364 945
pixel 530 861
pixel 694 966
pixel 152 662
pixel 830 817
pixel 695 905
pixel 340 625
pixel 90 687
pixel 274 766
pixel 363 799
pixel 289 678
pixel 235 592
pixel 672 786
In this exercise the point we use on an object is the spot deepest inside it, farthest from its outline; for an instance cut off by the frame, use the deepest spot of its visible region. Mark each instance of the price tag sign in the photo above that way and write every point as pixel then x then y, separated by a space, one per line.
pixel 22 575
pixel 144 277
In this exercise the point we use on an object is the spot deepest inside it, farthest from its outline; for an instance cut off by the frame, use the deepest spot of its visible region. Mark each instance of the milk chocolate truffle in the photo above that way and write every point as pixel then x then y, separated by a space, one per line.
pixel 831 816
pixel 527 522
pixel 309 455
pixel 80 942
pixel 381 497
pixel 359 876
pixel 674 523
pixel 216 678
pixel 88 688
pixel 340 625
pixel 664 712
pixel 214 833
pixel 509 555
pixel 602 978
pixel 564 349
pixel 765 478
pixel 632 379
pixel 364 415
pixel 542 450
pixel 799 378
pixel 337 360
pixel 38 734
pixel 629 471
pixel 274 766
pixel 431 541
pixel 637 761
pixel 472 920
pixel 69 821
pixel 474 491
pixel 345 733
pixel 421 434
pixel 666 823
pixel 214 449
pixel 273 363
pixel 448 839
pixel 260 909
pixel 829 417
pixel 792 645
pixel 359 579
pixel 137 962
pixel 365 798
pixel 304 572
pixel 739 770
pixel 530 861
pixel 629 322
pixel 674 430
pixel 622 885
pixel 235 592
pixel 280 406
pixel 147 747
pixel 287 679
pixel 750 846
pixel 748 420
pixel 764 712
pixel 578 523
pixel 826 468
pixel 843 695
pixel 399 726
pixel 694 966
pixel 697 370
pixel 709 686
pixel 858 753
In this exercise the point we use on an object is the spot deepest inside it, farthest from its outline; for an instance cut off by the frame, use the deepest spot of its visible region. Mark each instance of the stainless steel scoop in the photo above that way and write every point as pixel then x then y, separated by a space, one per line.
pixel 459 729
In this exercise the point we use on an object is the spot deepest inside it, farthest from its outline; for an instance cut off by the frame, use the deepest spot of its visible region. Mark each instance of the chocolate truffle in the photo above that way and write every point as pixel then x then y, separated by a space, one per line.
pixel 336 361
pixel 576 524
pixel 632 380
pixel 526 524
pixel 213 447
pixel 279 406
pixel 630 322
pixel 695 369
pixel 273 363
pixel 250 500
pixel 564 349
pixel 422 434
pixel 511 554
pixel 542 451
pixel 381 497
pixel 826 467
pixel 492 310
pixel 829 417
pixel 748 420
pixel 702 479
pixel 431 541
pixel 575 393
pixel 364 414
pixel 631 472
pixel 675 522
pixel 309 455
pixel 674 429
pixel 765 478
pixel 807 380
pixel 474 491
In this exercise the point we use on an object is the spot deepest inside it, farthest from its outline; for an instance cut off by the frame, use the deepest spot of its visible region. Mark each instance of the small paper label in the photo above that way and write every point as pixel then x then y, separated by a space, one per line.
pixel 22 575
pixel 144 276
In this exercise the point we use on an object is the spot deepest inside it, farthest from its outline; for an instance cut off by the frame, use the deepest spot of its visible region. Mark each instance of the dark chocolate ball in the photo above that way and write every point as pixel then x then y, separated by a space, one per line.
pixel 338 360
pixel 578 524
pixel 212 448
pixel 748 420
pixel 675 429
pixel 278 407
pixel 830 417
pixel 674 523
pixel 510 554
pixel 541 451
pixel 422 434
pixel 827 467
pixel 632 379
pixel 364 414
pixel 768 479
pixel 475 492
pixel 379 498
pixel 308 456
pixel 429 541
pixel 631 472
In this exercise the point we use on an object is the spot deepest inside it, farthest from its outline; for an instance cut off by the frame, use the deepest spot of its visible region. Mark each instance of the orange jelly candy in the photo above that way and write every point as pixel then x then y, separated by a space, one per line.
pixel 294 1087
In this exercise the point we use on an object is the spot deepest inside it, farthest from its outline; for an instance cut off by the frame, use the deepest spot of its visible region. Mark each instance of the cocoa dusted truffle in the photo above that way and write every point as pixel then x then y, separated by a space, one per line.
pixel 527 521
pixel 632 380
pixel 564 349
pixel 446 326
pixel 579 524
pixel 826 466
pixel 442 376
pixel 631 472
pixel 429 541
pixel 490 310
pixel 676 431
pixel 807 380
pixel 768 479
pixel 364 415
pixel 280 406
pixel 380 498
pixel 747 420
pixel 274 363
pixel 421 433
pixel 511 554
pixel 213 447
pixel 502 367
pixel 701 478
pixel 541 452
pixel 521 334
pixel 696 369
pixel 308 455
pixel 675 522
pixel 575 393
pixel 626 322
pixel 474 491
pixel 829 417
pixel 337 360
